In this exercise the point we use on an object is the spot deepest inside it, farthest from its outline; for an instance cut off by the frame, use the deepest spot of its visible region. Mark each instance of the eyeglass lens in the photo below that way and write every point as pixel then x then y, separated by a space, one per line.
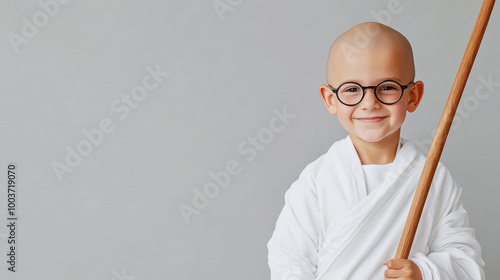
pixel 387 92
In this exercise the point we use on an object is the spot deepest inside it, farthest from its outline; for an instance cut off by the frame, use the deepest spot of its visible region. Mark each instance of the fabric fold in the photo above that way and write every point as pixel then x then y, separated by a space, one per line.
pixel 330 228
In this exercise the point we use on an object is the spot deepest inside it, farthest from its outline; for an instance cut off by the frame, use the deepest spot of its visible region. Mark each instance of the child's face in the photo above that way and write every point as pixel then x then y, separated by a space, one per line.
pixel 370 120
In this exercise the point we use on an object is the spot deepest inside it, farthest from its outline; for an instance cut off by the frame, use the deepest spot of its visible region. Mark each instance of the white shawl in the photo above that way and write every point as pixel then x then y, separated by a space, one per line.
pixel 331 229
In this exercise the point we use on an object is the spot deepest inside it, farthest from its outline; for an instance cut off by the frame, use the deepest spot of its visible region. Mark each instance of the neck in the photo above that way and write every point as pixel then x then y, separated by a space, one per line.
pixel 381 152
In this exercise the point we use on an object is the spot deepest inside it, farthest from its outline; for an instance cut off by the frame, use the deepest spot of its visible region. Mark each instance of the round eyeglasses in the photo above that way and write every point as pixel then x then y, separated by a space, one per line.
pixel 387 92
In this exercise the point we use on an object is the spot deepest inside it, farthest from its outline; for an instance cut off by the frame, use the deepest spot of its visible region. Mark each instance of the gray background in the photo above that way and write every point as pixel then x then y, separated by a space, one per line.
pixel 116 216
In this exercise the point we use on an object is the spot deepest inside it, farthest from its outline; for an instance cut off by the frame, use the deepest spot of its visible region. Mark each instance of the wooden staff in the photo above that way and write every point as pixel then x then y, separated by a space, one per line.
pixel 442 131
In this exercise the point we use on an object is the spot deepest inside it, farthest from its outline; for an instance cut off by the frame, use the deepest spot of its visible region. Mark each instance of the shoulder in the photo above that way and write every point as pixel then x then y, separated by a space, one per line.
pixel 444 187
pixel 312 169
pixel 442 176
pixel 306 181
pixel 443 180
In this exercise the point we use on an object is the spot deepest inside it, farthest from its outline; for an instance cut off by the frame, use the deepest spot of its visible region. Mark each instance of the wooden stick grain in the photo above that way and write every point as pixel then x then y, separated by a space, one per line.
pixel 441 134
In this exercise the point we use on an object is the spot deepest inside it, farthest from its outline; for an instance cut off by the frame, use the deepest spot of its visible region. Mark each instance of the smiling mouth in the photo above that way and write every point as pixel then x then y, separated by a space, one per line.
pixel 371 119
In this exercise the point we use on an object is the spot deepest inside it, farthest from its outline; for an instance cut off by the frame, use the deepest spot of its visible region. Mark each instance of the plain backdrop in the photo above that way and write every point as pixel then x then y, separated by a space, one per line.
pixel 232 64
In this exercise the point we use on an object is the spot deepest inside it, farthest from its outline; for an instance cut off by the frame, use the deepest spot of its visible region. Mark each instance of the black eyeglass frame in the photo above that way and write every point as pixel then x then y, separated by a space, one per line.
pixel 403 87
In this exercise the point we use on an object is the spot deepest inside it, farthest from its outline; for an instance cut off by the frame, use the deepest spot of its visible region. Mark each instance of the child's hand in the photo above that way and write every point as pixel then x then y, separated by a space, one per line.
pixel 402 269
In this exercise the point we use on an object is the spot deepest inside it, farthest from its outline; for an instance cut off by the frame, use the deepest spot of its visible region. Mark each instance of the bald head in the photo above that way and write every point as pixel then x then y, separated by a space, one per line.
pixel 371 42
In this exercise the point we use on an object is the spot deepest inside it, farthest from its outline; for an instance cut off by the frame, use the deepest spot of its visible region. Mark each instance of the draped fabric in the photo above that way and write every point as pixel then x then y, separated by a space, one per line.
pixel 330 228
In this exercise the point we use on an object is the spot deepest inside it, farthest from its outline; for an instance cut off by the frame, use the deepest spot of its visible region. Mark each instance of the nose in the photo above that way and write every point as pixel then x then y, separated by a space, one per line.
pixel 370 102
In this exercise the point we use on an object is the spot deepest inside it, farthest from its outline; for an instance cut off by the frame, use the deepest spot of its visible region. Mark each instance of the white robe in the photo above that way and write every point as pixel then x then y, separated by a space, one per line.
pixel 330 228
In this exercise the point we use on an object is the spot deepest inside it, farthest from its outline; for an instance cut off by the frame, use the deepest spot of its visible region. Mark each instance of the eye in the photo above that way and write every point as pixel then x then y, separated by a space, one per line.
pixel 387 87
pixel 351 89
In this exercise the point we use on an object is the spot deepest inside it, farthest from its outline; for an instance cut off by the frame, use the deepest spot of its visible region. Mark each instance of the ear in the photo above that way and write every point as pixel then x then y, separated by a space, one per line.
pixel 328 98
pixel 415 94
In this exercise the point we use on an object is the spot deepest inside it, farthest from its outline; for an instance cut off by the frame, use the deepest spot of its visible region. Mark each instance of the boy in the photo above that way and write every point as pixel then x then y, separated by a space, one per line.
pixel 344 216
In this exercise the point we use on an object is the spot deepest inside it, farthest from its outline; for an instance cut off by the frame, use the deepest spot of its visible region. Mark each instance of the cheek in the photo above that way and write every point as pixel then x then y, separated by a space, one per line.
pixel 344 114
pixel 398 114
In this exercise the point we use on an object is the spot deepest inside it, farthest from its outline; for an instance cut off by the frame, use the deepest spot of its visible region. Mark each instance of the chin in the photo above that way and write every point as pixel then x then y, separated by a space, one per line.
pixel 371 138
